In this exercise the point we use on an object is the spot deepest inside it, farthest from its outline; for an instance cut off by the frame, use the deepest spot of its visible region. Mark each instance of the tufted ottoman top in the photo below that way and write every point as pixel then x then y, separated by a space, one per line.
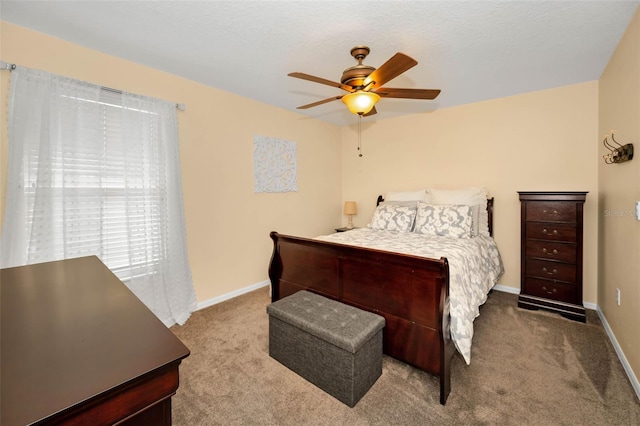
pixel 342 325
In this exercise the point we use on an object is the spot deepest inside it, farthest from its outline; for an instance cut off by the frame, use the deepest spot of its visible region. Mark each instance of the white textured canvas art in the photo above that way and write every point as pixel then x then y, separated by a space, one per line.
pixel 274 165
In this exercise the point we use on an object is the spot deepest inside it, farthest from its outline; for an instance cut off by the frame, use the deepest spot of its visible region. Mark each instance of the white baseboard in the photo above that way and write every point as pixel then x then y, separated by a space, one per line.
pixel 590 305
pixel 623 359
pixel 231 295
pixel 506 289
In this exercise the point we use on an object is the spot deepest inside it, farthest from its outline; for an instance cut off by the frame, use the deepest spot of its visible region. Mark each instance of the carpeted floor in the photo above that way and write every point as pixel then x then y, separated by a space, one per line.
pixel 527 367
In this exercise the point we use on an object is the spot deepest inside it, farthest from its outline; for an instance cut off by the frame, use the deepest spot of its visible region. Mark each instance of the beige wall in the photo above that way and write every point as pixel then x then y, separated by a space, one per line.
pixel 531 142
pixel 619 189
pixel 228 224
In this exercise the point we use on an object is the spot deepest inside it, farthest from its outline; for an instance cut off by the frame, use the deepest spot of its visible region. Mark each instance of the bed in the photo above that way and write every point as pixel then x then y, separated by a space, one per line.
pixel 373 269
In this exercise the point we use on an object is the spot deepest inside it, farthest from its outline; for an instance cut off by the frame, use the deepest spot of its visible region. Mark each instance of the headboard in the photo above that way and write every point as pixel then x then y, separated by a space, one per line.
pixel 489 211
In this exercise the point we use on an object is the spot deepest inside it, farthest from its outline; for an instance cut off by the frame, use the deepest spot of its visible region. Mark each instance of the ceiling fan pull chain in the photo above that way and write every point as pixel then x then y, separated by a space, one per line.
pixel 360 135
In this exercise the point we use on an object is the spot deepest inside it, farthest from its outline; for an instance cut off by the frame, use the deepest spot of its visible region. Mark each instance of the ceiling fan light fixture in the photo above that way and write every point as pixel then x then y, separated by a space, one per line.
pixel 360 102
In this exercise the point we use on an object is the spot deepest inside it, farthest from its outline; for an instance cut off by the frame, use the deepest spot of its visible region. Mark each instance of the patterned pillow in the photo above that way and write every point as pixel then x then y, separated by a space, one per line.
pixel 471 196
pixel 393 218
pixel 444 220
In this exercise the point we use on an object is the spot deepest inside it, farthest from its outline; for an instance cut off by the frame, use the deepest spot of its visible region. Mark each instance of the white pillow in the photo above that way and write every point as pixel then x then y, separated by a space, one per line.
pixel 471 196
pixel 444 220
pixel 413 204
pixel 420 195
pixel 393 218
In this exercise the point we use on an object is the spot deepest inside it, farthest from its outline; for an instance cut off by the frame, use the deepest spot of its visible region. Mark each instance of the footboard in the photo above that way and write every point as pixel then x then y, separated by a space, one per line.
pixel 410 292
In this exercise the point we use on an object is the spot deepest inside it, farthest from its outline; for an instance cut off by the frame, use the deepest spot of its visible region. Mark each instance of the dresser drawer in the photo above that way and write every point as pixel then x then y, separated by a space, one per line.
pixel 565 252
pixel 551 211
pixel 550 270
pixel 549 290
pixel 551 231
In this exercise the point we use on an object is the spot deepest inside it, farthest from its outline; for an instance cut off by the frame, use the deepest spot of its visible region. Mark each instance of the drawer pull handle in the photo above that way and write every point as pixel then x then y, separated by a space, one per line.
pixel 549 292
pixel 544 250
pixel 553 212
pixel 554 271
pixel 554 232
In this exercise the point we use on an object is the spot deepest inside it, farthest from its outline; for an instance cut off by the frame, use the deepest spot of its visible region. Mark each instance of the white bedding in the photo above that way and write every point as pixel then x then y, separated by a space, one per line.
pixel 474 267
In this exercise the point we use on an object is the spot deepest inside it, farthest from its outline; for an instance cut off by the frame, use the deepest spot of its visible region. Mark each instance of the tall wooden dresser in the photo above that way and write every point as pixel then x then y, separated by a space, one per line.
pixel 551 252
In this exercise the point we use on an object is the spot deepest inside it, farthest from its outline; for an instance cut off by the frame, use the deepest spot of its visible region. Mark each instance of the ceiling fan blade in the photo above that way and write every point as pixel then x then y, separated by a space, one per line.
pixel 388 92
pixel 321 80
pixel 373 111
pixel 395 66
pixel 324 101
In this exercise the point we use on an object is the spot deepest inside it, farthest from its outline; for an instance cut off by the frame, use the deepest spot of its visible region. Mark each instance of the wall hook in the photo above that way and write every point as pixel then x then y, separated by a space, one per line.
pixel 618 154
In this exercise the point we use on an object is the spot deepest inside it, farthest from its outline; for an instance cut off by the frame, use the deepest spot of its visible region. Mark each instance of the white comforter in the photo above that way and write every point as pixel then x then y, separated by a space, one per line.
pixel 474 267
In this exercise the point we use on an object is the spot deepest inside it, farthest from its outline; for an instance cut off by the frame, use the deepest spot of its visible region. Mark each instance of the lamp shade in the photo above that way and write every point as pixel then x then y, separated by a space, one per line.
pixel 360 102
pixel 350 207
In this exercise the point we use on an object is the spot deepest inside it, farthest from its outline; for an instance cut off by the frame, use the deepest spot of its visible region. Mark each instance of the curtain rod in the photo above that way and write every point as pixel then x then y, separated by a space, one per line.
pixel 10 67
pixel 6 66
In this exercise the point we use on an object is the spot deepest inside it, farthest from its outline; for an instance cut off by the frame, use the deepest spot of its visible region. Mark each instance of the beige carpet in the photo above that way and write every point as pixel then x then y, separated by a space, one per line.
pixel 527 367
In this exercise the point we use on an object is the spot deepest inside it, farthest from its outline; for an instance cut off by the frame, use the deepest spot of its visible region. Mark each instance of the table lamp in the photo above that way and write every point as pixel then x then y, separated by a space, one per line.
pixel 350 208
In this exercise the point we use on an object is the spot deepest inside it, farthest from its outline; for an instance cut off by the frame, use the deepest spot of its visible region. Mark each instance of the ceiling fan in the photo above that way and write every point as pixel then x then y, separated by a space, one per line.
pixel 365 83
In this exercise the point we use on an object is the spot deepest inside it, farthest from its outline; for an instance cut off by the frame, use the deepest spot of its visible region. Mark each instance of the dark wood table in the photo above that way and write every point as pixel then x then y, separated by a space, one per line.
pixel 78 347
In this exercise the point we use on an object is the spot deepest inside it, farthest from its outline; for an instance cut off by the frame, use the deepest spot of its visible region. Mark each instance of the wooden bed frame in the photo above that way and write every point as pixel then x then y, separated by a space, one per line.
pixel 410 292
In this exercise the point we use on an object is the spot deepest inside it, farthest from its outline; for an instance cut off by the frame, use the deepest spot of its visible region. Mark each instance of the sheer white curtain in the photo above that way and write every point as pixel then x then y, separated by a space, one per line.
pixel 97 172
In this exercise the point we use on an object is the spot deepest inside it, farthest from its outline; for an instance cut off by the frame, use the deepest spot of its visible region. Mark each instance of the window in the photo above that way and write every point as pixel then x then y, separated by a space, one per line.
pixel 110 206
pixel 96 172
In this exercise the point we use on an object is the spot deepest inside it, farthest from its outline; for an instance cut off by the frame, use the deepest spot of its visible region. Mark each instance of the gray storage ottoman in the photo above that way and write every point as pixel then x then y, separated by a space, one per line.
pixel 334 346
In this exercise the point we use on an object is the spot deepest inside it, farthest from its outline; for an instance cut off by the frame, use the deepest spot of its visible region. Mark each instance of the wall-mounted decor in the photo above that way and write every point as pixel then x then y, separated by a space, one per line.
pixel 619 153
pixel 274 165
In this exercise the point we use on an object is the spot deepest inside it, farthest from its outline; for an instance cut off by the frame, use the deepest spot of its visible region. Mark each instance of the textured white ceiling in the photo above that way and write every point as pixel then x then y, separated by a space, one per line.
pixel 471 50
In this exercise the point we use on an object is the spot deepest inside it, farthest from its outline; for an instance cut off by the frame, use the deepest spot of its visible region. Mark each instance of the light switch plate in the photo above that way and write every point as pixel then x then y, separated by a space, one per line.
pixel 637 210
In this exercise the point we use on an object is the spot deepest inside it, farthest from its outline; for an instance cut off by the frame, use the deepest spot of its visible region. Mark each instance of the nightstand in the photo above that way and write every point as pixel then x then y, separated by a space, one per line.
pixel 551 240
pixel 344 229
